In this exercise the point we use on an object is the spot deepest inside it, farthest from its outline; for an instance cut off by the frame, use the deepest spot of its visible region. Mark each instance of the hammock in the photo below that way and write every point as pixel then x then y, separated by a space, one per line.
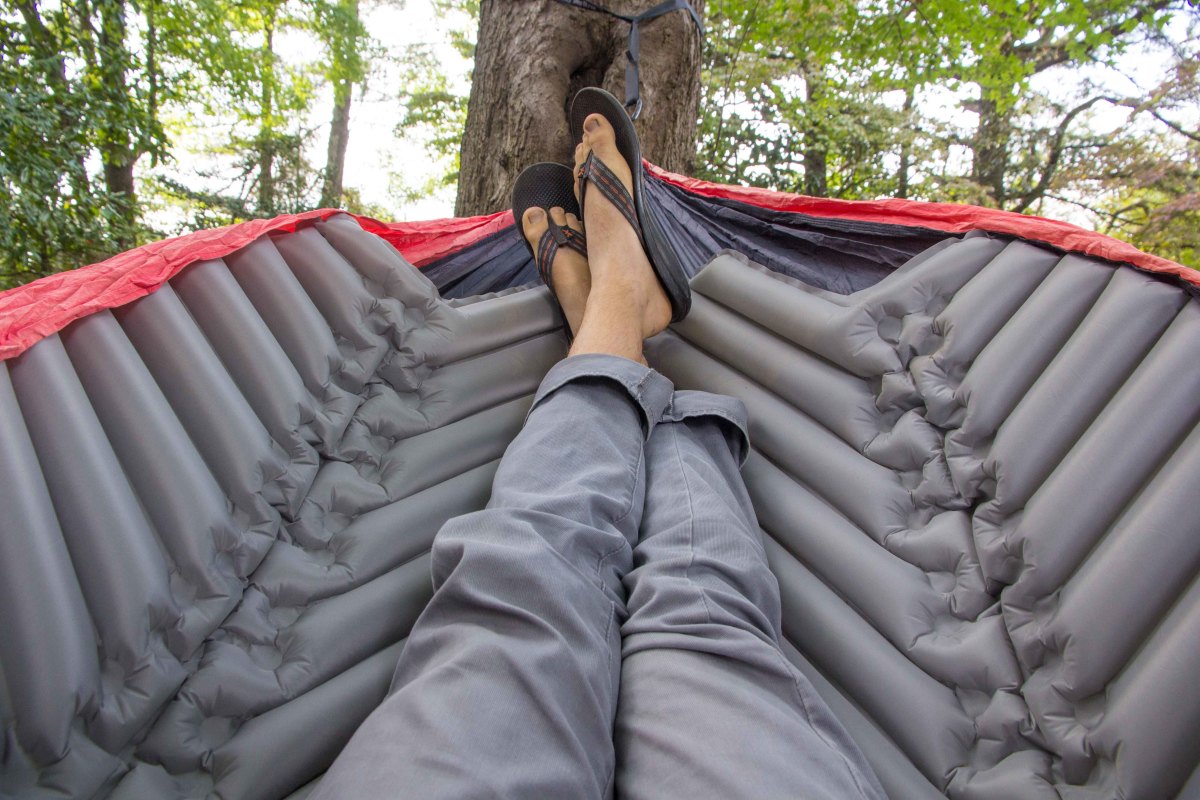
pixel 975 443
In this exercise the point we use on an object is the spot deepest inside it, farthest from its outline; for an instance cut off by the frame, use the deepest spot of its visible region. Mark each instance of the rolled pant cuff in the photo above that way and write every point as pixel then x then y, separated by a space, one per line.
pixel 729 411
pixel 650 391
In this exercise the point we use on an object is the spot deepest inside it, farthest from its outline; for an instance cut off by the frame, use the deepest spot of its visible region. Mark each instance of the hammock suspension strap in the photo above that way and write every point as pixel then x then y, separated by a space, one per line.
pixel 633 96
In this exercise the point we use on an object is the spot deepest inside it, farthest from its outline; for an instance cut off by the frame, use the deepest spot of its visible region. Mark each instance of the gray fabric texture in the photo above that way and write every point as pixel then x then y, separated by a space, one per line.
pixel 971 499
pixel 976 479
pixel 618 555
pixel 508 683
pixel 219 502
pixel 709 706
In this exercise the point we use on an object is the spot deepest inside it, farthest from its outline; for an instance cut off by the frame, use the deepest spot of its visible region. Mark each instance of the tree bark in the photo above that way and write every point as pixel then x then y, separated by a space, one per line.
pixel 816 164
pixel 117 149
pixel 266 131
pixel 534 55
pixel 990 164
pixel 339 138
pixel 816 154
pixel 905 148
pixel 339 129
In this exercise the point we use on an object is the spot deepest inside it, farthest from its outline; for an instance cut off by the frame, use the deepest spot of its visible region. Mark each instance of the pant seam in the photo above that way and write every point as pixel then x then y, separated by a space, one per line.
pixel 687 487
pixel 615 669
pixel 639 396
pixel 616 522
pixel 612 614
pixel 637 465
pixel 788 669
pixel 605 557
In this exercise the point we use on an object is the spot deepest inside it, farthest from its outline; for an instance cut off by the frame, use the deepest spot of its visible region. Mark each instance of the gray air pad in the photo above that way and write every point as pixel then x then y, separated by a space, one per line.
pixel 976 476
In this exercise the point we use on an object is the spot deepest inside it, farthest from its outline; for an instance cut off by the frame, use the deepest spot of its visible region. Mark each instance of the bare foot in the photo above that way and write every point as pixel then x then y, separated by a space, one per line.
pixel 571 280
pixel 618 263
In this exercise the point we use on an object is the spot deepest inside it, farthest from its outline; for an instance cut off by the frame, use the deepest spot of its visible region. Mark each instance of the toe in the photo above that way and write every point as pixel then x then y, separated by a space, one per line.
pixel 533 224
pixel 559 215
pixel 597 129
pixel 574 222
pixel 600 137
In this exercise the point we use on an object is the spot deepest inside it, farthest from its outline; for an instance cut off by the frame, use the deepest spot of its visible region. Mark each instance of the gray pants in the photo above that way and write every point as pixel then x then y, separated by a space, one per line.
pixel 607 623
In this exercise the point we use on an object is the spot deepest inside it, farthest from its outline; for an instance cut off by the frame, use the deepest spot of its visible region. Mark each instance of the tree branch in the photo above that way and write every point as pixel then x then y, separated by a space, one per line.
pixel 1138 106
pixel 1045 54
pixel 1079 203
pixel 45 44
pixel 1195 137
pixel 1056 149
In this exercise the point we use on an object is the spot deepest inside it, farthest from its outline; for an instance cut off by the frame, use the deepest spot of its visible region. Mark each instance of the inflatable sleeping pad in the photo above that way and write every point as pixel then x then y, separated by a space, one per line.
pixel 976 475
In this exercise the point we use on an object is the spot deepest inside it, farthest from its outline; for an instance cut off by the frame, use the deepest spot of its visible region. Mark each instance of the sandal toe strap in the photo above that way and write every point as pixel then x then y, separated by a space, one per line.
pixel 555 237
pixel 596 172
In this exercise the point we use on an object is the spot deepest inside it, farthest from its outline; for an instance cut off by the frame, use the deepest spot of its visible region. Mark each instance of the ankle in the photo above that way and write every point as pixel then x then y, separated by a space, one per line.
pixel 617 294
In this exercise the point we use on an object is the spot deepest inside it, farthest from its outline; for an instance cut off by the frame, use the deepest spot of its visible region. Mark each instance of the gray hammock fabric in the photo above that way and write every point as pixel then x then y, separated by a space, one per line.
pixel 977 480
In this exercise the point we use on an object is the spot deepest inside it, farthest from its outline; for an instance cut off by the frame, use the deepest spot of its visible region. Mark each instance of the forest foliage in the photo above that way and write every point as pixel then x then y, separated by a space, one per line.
pixel 92 89
pixel 1033 106
pixel 1027 106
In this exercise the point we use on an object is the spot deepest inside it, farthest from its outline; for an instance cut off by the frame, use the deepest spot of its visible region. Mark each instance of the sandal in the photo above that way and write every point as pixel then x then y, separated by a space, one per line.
pixel 636 208
pixel 547 185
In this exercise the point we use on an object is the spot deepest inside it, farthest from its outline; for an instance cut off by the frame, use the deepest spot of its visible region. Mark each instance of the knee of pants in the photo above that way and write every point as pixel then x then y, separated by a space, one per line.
pixel 527 553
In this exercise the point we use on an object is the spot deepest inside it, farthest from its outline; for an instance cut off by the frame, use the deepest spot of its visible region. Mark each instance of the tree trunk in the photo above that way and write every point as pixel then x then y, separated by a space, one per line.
pixel 339 129
pixel 905 147
pixel 339 138
pixel 816 163
pixel 266 131
pixel 531 59
pixel 990 164
pixel 816 153
pixel 49 52
pixel 117 150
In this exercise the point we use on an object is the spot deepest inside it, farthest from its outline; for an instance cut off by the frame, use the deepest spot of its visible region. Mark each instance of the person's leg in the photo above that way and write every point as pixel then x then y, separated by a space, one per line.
pixel 507 685
pixel 709 705
pixel 627 304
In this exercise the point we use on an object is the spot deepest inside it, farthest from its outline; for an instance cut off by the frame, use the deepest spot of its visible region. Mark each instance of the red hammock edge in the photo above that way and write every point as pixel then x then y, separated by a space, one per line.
pixel 38 309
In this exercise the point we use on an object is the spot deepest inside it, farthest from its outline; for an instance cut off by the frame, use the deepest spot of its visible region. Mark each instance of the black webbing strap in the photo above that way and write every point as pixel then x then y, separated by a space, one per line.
pixel 633 88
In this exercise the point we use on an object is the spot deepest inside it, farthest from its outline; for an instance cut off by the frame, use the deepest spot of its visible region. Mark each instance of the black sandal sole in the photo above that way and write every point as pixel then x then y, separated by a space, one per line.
pixel 545 185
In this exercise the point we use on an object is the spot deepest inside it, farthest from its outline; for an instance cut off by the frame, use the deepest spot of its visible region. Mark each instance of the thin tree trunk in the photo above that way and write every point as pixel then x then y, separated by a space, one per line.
pixel 339 129
pixel 266 133
pixel 150 7
pixel 816 154
pixel 816 163
pixel 905 148
pixel 990 164
pixel 339 138
pixel 50 53
pixel 530 60
pixel 117 151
